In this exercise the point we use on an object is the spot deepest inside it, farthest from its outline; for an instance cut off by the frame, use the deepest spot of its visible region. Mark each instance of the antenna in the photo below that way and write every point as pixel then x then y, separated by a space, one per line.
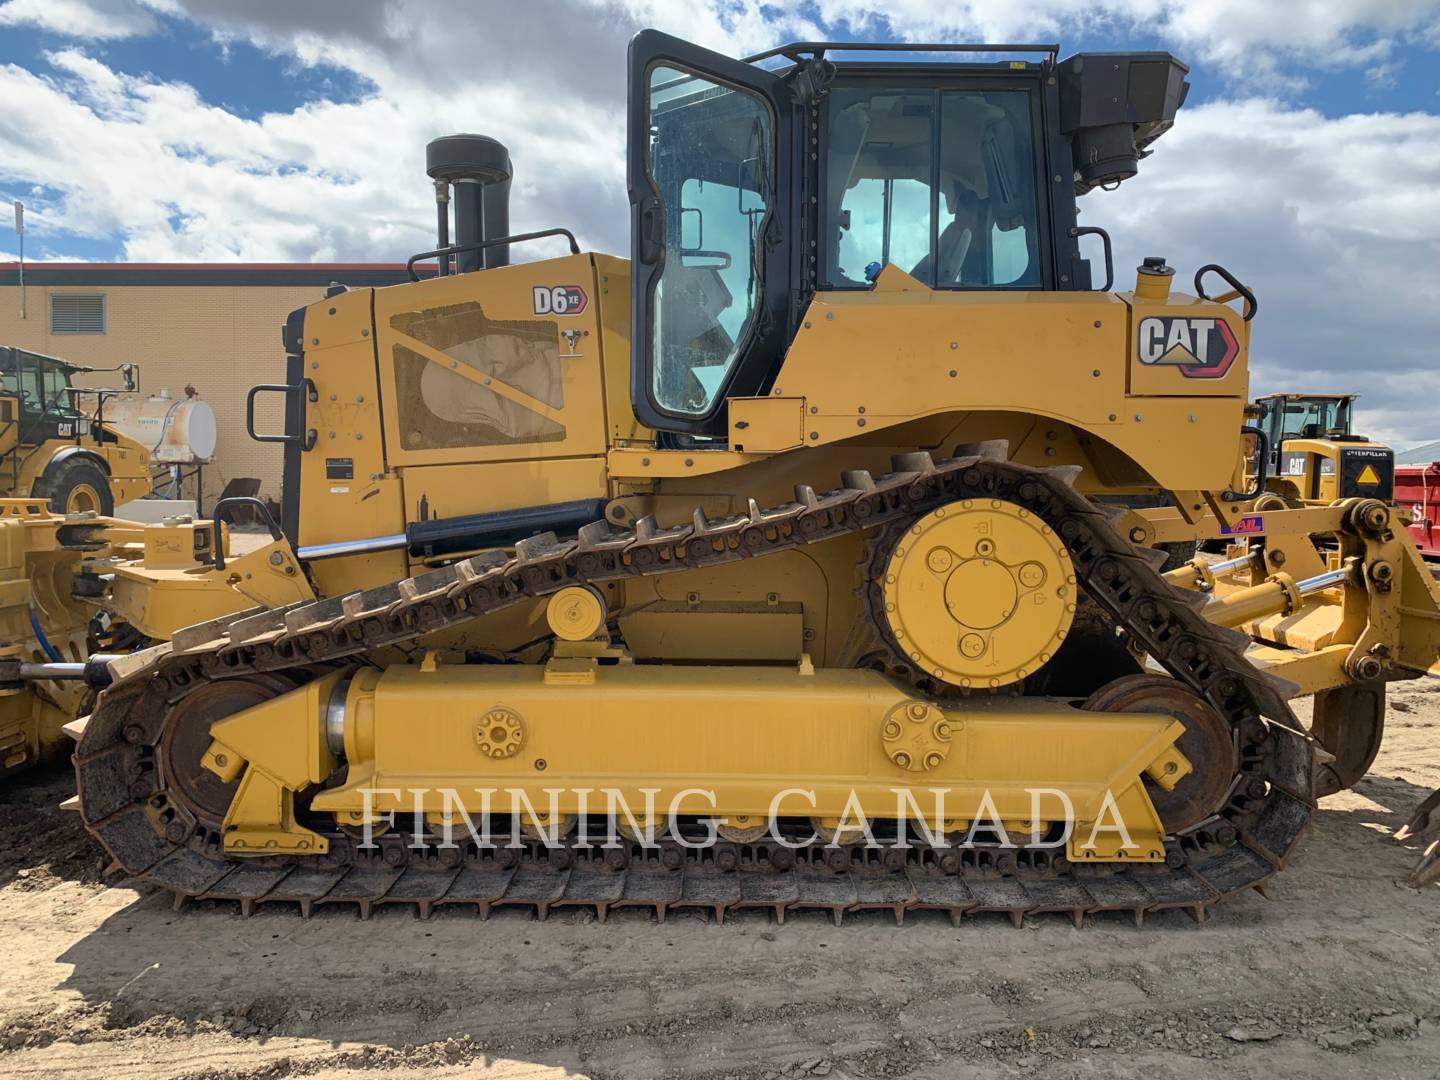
pixel 20 232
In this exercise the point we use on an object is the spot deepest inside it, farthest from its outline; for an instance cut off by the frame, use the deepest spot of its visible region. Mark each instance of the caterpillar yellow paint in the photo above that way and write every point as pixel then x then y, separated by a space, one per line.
pixel 800 561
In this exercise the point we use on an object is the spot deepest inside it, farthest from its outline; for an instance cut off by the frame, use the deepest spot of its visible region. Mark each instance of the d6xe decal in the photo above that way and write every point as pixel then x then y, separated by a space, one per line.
pixel 559 299
pixel 1200 348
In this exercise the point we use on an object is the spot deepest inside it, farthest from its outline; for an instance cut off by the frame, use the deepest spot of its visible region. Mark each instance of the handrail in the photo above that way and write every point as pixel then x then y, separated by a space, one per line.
pixel 306 387
pixel 817 49
pixel 1095 230
pixel 1251 304
pixel 218 513
pixel 480 245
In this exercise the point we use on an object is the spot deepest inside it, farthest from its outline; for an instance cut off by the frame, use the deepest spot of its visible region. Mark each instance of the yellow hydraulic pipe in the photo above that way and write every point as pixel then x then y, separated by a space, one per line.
pixel 1276 596
pixel 1198 574
pixel 1279 594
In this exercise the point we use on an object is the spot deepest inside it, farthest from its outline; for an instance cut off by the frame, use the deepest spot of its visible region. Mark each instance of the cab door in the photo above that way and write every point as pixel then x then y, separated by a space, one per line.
pixel 710 176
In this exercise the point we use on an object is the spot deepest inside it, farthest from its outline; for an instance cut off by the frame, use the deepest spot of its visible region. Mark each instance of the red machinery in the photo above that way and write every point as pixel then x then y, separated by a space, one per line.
pixel 1417 487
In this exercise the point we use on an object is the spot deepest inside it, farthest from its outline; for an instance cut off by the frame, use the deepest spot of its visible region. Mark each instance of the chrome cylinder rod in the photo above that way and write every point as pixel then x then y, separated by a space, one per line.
pixel 1224 566
pixel 353 547
pixel 52 670
pixel 1321 582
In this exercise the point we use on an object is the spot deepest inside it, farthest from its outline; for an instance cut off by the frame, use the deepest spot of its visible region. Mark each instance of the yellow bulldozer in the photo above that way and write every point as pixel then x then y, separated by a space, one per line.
pixel 786 565
pixel 44 637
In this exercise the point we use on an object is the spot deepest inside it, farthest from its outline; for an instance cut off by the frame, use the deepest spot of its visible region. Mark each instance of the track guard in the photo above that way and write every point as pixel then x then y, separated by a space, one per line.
pixel 281 748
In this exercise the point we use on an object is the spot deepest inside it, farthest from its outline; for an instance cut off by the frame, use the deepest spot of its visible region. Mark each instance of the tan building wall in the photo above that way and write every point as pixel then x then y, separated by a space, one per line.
pixel 217 328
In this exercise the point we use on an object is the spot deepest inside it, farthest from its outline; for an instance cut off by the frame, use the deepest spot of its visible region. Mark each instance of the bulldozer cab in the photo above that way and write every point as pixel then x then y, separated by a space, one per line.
pixel 753 188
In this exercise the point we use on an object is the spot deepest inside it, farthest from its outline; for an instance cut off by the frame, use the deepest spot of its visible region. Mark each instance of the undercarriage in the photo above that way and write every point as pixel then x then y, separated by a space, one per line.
pixel 267 758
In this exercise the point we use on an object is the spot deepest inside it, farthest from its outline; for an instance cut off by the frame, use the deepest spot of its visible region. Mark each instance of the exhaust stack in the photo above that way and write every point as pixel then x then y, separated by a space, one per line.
pixel 478 170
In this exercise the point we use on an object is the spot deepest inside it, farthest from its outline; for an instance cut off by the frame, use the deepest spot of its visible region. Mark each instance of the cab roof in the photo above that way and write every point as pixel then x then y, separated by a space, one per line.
pixel 1291 395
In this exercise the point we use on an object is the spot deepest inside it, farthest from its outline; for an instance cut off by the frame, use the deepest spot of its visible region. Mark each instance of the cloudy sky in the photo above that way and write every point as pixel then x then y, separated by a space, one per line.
pixel 1307 158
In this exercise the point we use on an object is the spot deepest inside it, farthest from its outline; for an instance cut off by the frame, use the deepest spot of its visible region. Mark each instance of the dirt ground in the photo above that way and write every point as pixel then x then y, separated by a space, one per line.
pixel 1336 975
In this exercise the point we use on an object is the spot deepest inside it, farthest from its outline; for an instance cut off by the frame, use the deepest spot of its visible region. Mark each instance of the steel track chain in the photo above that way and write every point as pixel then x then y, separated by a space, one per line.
pixel 157 840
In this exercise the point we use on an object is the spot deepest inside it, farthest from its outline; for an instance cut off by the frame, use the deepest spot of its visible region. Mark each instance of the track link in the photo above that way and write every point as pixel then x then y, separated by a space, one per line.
pixel 127 807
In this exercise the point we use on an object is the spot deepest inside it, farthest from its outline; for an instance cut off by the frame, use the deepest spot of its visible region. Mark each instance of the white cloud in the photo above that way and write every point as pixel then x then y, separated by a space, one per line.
pixel 177 178
pixel 1248 39
pixel 1334 220
pixel 96 20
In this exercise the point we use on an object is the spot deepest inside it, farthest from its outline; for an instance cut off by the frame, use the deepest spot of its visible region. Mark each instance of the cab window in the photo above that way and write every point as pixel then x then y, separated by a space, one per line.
pixel 940 183
pixel 22 385
pixel 711 159
pixel 1315 418
pixel 56 383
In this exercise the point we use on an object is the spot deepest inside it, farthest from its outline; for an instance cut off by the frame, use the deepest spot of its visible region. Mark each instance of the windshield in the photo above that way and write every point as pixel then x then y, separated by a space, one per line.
pixel 710 158
pixel 1312 418
pixel 940 183
pixel 40 386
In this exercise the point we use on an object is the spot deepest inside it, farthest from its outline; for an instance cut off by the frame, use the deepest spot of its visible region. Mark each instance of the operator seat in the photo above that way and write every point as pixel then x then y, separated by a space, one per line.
pixel 952 247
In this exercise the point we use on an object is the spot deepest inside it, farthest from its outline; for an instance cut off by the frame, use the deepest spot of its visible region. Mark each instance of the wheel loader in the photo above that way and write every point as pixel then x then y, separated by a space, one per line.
pixel 786 565
pixel 51 448
pixel 1311 453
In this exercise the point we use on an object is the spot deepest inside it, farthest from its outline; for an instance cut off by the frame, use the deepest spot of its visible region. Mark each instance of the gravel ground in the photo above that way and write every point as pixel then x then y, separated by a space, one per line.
pixel 1335 974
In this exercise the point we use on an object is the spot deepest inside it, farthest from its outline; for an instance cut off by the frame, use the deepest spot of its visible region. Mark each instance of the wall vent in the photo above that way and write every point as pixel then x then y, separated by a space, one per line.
pixel 77 313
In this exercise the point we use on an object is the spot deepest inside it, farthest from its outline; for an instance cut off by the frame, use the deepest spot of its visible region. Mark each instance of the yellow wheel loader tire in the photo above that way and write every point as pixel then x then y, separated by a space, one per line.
pixel 75 485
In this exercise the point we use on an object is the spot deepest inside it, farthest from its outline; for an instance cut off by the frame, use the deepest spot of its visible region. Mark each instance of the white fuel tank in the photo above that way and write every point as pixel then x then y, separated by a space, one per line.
pixel 176 431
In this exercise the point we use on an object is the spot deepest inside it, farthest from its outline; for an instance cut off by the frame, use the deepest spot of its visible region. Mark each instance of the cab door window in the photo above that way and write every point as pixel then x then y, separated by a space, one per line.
pixel 711 159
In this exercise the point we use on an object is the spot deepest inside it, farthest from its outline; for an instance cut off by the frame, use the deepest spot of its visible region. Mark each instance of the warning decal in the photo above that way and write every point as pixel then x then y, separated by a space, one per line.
pixel 1367 471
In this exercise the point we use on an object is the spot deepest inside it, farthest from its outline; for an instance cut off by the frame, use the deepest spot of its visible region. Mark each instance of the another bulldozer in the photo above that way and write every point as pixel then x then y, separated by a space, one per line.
pixel 44 637
pixel 786 565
